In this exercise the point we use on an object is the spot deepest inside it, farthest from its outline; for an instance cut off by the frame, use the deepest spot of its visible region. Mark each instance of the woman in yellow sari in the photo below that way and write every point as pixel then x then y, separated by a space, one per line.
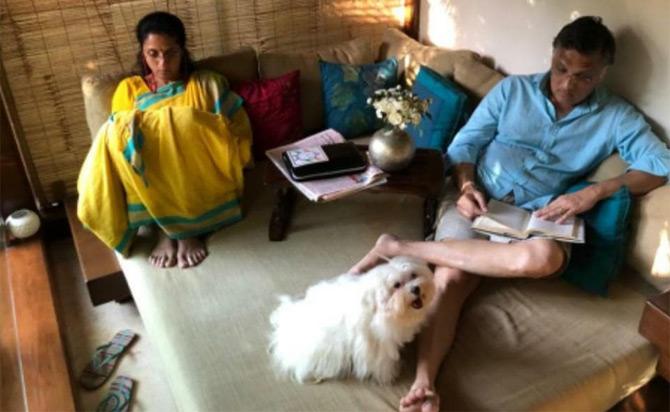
pixel 171 153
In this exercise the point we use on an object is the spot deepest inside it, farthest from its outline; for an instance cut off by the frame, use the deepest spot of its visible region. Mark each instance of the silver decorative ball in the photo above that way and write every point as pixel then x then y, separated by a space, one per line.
pixel 391 149
pixel 23 223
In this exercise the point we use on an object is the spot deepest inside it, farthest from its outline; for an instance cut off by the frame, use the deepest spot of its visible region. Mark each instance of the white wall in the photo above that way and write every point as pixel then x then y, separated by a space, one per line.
pixel 517 35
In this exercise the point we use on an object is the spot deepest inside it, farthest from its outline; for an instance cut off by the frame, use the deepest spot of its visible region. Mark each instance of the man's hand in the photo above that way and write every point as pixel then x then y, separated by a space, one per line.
pixel 472 202
pixel 568 205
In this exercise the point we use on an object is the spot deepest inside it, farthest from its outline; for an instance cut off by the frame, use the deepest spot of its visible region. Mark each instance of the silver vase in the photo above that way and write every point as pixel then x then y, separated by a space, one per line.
pixel 391 149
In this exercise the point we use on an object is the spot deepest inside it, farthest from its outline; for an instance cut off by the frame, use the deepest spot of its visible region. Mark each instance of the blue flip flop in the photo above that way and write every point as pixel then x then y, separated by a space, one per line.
pixel 119 396
pixel 100 368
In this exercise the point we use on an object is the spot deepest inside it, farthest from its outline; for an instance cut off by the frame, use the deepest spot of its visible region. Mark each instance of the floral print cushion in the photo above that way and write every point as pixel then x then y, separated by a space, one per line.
pixel 346 88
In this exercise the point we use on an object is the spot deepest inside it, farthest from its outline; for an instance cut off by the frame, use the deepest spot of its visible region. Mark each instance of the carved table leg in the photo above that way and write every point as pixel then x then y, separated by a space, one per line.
pixel 281 214
pixel 429 210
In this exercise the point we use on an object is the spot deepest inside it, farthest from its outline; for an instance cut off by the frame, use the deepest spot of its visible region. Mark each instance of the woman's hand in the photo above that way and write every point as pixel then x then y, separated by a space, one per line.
pixel 568 205
pixel 472 202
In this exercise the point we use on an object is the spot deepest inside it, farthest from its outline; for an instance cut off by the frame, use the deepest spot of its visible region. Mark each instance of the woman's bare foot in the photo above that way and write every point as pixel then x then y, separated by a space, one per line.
pixel 384 249
pixel 164 254
pixel 190 252
pixel 420 399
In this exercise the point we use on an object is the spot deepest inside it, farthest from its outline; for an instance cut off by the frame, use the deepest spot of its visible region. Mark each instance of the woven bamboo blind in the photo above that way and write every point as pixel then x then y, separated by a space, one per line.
pixel 47 45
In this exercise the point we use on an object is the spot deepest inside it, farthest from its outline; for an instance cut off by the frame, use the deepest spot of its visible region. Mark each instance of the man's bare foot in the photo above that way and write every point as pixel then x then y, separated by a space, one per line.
pixel 164 254
pixel 383 249
pixel 420 399
pixel 190 252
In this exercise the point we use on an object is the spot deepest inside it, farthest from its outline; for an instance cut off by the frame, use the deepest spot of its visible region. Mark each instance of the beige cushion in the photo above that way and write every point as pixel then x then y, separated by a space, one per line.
pixel 274 64
pixel 521 344
pixel 462 66
pixel 610 168
pixel 649 244
pixel 475 76
pixel 98 91
pixel 240 65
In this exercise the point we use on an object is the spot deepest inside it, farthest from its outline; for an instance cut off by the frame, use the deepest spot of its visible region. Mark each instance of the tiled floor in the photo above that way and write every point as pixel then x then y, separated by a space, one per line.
pixel 86 326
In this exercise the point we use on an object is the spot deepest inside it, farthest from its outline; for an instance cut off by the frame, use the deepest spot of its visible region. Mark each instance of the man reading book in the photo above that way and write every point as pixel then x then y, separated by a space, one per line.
pixel 529 139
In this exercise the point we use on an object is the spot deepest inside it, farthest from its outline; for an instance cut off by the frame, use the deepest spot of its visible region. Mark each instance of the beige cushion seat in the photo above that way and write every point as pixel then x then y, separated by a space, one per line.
pixel 521 344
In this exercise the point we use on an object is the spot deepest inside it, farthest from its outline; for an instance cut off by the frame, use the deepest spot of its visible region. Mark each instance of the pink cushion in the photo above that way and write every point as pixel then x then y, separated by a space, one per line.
pixel 273 106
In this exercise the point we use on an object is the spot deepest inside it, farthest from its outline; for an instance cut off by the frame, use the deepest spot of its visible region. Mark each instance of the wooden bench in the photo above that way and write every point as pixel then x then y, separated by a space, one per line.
pixel 99 266
pixel 33 366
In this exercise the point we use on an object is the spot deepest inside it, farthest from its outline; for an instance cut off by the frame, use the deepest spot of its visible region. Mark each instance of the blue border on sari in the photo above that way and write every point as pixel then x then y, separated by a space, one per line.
pixel 169 220
pixel 148 99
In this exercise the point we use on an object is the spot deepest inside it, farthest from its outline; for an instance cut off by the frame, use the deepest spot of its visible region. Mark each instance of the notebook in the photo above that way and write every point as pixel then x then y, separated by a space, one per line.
pixel 318 162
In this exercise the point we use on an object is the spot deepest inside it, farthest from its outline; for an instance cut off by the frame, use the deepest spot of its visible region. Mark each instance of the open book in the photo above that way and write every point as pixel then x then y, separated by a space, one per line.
pixel 323 190
pixel 511 221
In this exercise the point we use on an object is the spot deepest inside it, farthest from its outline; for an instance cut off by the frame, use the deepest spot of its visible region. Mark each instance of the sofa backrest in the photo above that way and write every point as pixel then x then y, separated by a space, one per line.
pixel 361 50
pixel 465 67
pixel 462 66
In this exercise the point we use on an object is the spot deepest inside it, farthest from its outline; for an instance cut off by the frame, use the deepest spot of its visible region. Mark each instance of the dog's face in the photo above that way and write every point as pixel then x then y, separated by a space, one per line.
pixel 407 289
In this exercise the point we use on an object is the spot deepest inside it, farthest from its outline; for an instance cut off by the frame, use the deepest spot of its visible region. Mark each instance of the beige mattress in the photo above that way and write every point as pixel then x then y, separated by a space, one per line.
pixel 522 345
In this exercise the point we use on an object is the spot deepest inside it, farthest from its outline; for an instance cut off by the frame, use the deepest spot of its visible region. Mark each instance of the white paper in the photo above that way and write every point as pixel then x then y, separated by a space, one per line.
pixel 507 215
pixel 564 229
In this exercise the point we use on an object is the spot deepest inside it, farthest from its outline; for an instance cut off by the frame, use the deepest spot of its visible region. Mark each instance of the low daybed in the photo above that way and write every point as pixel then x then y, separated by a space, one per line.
pixel 521 344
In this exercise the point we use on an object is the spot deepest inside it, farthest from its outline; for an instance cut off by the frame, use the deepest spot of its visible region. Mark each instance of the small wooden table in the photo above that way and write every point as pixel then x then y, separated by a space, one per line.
pixel 423 177
pixel 655 326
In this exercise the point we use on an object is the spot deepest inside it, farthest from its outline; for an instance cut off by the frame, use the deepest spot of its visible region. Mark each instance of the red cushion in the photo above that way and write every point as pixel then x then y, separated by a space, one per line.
pixel 273 106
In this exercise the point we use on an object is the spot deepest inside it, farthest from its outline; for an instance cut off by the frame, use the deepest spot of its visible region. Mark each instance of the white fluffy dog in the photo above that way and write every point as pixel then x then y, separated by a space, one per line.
pixel 352 325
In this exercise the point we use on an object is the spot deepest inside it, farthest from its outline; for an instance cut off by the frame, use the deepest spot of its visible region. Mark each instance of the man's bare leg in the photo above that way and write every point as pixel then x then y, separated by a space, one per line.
pixel 455 261
pixel 190 252
pixel 435 340
pixel 529 258
pixel 164 254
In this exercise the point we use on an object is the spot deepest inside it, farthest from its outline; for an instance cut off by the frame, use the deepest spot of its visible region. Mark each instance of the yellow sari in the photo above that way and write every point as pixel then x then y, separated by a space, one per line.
pixel 173 157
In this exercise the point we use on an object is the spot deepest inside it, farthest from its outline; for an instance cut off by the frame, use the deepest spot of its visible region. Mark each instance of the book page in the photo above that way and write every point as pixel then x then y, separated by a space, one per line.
pixel 508 215
pixel 488 226
pixel 565 230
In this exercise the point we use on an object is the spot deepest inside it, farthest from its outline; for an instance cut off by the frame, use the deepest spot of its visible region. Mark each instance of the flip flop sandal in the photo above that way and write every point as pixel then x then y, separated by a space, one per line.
pixel 119 396
pixel 105 359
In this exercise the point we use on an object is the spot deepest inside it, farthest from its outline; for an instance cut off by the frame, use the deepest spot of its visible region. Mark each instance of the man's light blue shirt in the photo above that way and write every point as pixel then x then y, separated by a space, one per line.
pixel 520 147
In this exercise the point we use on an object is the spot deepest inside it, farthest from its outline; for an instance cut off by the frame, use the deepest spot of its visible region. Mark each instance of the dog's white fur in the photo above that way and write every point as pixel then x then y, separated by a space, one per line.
pixel 352 325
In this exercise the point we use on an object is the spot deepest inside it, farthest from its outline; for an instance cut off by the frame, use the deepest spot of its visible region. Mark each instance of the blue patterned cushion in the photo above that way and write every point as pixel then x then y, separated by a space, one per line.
pixel 597 262
pixel 346 88
pixel 446 112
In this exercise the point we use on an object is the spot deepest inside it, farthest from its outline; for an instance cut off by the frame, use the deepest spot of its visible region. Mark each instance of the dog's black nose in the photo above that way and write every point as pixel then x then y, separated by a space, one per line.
pixel 416 290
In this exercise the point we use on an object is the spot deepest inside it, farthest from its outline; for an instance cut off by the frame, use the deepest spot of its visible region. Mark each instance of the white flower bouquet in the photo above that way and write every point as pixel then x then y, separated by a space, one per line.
pixel 399 107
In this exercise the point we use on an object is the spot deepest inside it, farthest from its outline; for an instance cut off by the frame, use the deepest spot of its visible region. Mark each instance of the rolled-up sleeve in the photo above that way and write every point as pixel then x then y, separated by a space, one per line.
pixel 639 146
pixel 480 129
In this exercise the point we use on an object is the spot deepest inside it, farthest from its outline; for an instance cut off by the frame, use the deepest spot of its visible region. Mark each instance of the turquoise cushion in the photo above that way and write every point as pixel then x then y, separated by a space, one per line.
pixel 594 264
pixel 446 112
pixel 346 88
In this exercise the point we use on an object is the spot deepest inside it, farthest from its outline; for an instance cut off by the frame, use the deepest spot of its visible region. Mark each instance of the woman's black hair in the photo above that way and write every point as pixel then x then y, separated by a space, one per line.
pixel 161 22
pixel 587 35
